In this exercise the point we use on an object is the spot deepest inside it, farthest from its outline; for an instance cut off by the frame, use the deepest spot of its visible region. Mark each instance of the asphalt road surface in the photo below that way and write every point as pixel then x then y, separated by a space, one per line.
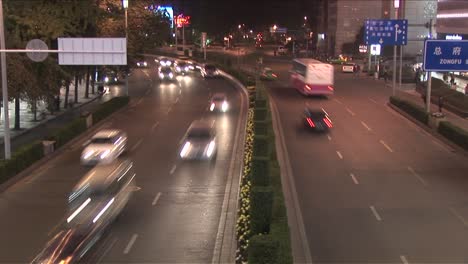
pixel 377 188
pixel 173 216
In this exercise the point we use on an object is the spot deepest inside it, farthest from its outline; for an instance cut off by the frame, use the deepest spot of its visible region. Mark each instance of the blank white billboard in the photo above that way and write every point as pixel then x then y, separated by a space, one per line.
pixel 92 51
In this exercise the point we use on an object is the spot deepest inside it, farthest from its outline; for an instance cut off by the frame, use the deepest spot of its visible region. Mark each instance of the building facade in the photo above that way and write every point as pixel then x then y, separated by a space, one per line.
pixel 452 19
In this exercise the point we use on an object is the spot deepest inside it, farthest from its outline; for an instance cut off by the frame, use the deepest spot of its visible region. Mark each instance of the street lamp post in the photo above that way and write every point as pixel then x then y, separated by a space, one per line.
pixel 6 116
pixel 125 6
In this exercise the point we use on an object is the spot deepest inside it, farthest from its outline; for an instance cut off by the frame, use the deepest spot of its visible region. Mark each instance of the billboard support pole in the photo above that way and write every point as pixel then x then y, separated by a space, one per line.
pixel 370 59
pixel 428 93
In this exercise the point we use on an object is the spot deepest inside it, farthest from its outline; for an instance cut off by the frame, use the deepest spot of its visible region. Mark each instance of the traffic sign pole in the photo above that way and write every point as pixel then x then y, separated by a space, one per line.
pixel 428 93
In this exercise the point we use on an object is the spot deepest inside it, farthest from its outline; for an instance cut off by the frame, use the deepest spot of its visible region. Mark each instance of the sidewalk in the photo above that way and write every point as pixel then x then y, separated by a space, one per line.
pixel 36 130
pixel 408 92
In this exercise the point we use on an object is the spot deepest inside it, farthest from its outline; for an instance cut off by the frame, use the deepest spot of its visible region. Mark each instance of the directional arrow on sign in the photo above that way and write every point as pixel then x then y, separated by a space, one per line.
pixel 381 41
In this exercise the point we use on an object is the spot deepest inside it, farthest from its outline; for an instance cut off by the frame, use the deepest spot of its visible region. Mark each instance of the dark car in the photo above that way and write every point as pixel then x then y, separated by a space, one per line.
pixel 317 120
pixel 166 74
pixel 209 70
pixel 182 68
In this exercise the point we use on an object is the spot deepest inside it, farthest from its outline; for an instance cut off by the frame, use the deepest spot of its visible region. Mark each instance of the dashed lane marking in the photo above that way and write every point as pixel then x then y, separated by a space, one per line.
pixel 354 178
pixel 156 198
pixel 374 211
pixel 386 146
pixel 339 154
pixel 130 243
pixel 420 178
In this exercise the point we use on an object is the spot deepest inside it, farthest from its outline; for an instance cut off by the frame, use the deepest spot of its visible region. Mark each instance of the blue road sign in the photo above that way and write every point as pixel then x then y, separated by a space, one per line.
pixel 445 55
pixel 386 32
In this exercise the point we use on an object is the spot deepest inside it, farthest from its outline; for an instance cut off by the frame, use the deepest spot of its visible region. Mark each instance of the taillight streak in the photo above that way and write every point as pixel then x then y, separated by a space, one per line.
pixel 328 122
pixel 311 123
pixel 330 88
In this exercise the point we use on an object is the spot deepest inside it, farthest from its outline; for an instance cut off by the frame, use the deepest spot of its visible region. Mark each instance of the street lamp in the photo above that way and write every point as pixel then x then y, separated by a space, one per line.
pixel 305 17
pixel 275 27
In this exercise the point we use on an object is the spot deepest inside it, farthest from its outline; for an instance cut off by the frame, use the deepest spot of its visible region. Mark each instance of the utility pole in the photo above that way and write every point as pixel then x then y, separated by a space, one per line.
pixel 402 15
pixel 6 116
pixel 429 80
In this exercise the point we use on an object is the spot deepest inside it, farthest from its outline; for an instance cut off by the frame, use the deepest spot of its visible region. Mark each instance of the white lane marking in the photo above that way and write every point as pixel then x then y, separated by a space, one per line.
pixel 139 101
pixel 173 169
pixel 146 73
pixel 136 145
pixel 417 176
pixel 107 250
pixel 130 244
pixel 459 216
pixel 386 146
pixel 154 126
pixel 177 100
pixel 366 126
pixel 351 112
pixel 156 199
pixel 148 91
pixel 377 216
pixel 338 101
pixel 180 91
pixel 329 138
pixel 404 260
pixel 374 101
pixel 354 178
pixel 169 110
pixel 339 154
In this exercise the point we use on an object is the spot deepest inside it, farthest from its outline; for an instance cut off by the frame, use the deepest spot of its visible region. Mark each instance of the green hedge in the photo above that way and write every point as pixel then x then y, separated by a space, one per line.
pixel 454 133
pixel 260 114
pixel 261 146
pixel 260 171
pixel 109 107
pixel 414 110
pixel 261 128
pixel 20 160
pixel 263 249
pixel 68 132
pixel 261 203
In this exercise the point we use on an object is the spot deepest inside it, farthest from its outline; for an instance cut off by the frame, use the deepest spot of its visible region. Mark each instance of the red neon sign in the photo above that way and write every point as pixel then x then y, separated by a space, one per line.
pixel 182 20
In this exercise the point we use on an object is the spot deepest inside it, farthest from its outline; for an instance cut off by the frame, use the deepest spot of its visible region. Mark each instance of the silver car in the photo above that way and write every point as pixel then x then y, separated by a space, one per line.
pixel 104 147
pixel 219 103
pixel 199 143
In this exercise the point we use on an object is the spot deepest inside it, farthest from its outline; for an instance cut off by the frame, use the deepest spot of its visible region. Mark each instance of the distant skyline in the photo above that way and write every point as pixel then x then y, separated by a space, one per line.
pixel 218 16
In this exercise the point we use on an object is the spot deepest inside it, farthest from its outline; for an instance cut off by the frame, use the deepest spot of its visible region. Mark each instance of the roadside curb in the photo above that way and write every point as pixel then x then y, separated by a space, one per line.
pixel 429 130
pixel 299 243
pixel 36 165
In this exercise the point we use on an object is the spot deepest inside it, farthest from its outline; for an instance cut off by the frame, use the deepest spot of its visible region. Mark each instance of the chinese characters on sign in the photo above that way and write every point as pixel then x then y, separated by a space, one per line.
pixel 386 31
pixel 182 20
pixel 445 55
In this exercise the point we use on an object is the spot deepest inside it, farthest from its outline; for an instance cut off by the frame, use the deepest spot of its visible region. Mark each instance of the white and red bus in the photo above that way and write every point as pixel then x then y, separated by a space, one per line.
pixel 312 77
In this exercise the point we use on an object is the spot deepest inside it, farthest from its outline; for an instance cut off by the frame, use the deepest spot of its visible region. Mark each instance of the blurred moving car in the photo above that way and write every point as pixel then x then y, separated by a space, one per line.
pixel 165 62
pixel 348 67
pixel 142 64
pixel 182 68
pixel 281 50
pixel 209 71
pixel 166 74
pixel 219 103
pixel 104 147
pixel 199 143
pixel 316 119
pixel 268 74
pixel 94 203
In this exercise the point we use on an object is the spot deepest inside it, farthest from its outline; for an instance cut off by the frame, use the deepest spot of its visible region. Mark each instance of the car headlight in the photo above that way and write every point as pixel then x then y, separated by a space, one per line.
pixel 144 63
pixel 168 63
pixel 138 64
pixel 185 149
pixel 115 79
pixel 186 68
pixel 161 75
pixel 171 75
pixel 224 106
pixel 106 79
pixel 212 106
pixel 105 154
pixel 210 149
pixel 178 68
pixel 88 154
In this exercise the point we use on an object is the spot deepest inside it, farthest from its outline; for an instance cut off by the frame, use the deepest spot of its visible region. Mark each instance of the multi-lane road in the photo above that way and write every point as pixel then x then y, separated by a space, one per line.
pixel 179 210
pixel 377 188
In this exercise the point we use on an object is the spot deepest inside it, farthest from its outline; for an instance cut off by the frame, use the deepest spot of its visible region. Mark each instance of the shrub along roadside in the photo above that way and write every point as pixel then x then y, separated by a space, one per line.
pixel 454 133
pixel 262 227
pixel 414 110
pixel 29 154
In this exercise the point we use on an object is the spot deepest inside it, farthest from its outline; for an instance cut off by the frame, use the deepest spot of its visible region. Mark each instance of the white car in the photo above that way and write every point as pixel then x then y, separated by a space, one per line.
pixel 219 102
pixel 199 142
pixel 104 147
pixel 348 67
pixel 142 64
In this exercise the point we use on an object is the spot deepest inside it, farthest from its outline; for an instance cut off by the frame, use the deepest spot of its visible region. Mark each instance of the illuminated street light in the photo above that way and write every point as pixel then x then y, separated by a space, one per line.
pixel 125 4
pixel 275 27
pixel 305 17
pixel 240 26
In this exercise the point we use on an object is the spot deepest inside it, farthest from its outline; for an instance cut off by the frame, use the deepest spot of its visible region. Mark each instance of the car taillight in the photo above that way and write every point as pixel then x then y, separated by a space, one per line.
pixel 311 123
pixel 308 87
pixel 274 75
pixel 330 88
pixel 328 122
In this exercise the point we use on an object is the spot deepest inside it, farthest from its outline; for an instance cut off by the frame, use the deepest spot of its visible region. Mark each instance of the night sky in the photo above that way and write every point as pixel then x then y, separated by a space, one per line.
pixel 218 16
